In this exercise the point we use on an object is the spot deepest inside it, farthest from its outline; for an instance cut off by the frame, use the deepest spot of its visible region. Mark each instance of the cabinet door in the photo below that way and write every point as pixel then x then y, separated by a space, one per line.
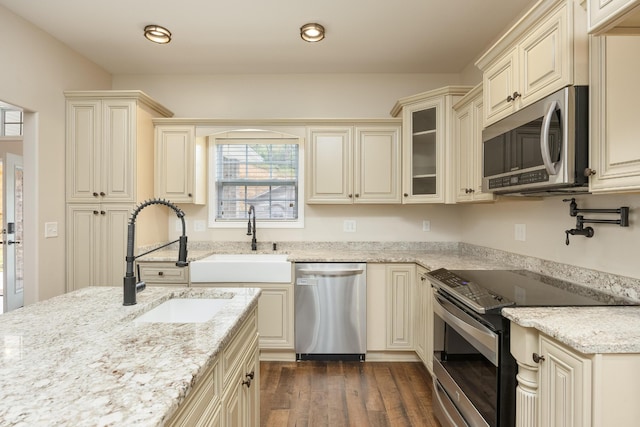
pixel 83 137
pixel 498 87
pixel 400 306
pixel 113 243
pixel 118 152
pixel 329 160
pixel 377 165
pixel 423 152
pixel 614 91
pixel 376 306
pixel 463 137
pixel 83 246
pixel 176 162
pixel 251 397
pixel 545 61
pixel 422 291
pixel 603 14
pixel 275 316
pixel 565 386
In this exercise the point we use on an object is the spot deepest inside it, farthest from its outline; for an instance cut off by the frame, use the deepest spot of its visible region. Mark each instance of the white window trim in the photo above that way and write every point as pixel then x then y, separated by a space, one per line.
pixel 246 135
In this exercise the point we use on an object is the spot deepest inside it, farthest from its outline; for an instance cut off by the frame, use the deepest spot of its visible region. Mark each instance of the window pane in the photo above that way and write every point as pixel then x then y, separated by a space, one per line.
pixel 262 175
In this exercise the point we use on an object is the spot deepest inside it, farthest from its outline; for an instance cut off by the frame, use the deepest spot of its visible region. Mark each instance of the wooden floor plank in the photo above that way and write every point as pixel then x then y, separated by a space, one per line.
pixel 318 393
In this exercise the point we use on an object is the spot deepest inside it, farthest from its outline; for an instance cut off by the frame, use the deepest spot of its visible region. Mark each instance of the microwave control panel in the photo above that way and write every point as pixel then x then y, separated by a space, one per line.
pixel 519 179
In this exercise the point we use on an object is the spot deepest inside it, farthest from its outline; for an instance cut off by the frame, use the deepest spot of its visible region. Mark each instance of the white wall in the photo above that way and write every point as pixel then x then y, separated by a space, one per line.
pixel 35 71
pixel 612 249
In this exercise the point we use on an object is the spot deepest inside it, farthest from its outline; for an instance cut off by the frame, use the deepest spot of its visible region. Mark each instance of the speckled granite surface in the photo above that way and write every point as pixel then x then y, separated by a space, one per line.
pixel 586 329
pixel 80 360
pixel 577 327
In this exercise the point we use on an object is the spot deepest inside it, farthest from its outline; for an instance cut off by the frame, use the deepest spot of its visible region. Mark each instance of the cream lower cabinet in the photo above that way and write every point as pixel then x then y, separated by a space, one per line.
pixel 390 307
pixel 467 141
pixel 614 89
pixel 229 392
pixel 353 164
pixel 559 386
pixel 424 319
pixel 614 16
pixel 275 318
pixel 546 50
pixel 96 244
pixel 180 164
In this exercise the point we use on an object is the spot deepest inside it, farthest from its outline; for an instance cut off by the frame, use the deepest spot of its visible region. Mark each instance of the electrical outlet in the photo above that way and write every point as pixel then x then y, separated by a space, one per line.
pixel 520 232
pixel 349 225
pixel 50 229
pixel 199 225
pixel 426 225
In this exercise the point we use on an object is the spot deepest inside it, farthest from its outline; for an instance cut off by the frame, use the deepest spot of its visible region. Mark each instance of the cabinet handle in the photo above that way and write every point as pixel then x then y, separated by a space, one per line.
pixel 190 195
pixel 96 212
pixel 103 213
pixel 247 383
pixel 513 97
pixel 250 375
pixel 589 172
pixel 538 358
pixel 406 195
pixel 95 194
pixel 350 196
pixel 357 195
pixel 102 193
pixel 160 273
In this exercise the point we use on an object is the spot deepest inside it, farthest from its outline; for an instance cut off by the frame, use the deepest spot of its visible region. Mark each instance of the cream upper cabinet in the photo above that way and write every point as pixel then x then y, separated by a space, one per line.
pixel 342 169
pixel 614 126
pixel 467 140
pixel 180 164
pixel 427 152
pixel 544 51
pixel 109 136
pixel 614 16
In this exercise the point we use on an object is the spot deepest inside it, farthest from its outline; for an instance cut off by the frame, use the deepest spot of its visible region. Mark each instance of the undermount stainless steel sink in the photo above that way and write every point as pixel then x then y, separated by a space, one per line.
pixel 241 268
pixel 183 310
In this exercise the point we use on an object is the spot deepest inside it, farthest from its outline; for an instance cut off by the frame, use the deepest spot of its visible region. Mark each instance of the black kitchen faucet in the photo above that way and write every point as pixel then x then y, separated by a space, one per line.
pixel 252 229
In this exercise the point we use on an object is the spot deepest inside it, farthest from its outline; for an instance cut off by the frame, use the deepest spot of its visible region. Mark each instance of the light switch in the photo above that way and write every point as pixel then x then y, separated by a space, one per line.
pixel 50 229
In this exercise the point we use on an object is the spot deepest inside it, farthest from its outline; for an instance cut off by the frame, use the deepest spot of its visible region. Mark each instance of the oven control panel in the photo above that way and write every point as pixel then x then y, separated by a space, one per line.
pixel 469 293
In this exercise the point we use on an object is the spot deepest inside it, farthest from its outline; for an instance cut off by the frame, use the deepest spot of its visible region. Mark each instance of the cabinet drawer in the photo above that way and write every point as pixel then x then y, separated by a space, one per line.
pixel 234 352
pixel 163 273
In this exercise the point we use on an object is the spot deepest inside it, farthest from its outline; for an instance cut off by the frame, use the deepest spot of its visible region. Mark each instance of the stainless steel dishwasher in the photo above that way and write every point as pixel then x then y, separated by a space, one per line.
pixel 330 311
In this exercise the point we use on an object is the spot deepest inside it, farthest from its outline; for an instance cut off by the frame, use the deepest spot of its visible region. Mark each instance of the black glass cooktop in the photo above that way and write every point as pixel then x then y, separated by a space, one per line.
pixel 494 289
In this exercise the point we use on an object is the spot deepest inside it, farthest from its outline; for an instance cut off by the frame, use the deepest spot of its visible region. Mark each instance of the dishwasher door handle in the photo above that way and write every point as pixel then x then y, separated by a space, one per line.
pixel 330 273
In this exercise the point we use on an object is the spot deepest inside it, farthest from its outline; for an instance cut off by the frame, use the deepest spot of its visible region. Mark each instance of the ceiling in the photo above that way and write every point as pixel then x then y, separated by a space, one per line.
pixel 262 36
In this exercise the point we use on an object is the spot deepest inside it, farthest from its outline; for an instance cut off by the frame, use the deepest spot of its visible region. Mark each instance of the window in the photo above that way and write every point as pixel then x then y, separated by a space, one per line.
pixel 263 172
pixel 10 122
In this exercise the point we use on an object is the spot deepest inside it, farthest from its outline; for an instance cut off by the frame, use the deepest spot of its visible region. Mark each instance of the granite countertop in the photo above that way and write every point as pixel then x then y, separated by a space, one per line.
pixel 589 330
pixel 79 359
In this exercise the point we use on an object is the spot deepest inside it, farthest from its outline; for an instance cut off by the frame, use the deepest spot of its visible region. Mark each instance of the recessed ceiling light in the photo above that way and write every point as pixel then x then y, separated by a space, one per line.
pixel 312 32
pixel 157 34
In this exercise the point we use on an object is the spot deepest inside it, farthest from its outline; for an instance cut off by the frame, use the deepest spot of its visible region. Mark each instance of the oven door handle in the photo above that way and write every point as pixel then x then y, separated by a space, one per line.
pixel 484 339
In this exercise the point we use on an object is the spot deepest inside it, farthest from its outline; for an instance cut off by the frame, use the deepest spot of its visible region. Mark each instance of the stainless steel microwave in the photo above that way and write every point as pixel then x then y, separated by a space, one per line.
pixel 542 149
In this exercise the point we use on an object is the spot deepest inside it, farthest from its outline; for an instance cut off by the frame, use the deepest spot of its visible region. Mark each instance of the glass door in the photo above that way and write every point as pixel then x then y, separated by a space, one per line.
pixel 424 151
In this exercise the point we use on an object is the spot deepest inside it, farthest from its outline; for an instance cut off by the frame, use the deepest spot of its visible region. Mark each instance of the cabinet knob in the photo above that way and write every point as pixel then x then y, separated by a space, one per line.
pixel 406 195
pixel 513 97
pixel 160 273
pixel 589 172
pixel 102 193
pixel 190 195
pixel 103 213
pixel 350 196
pixel 96 212
pixel 357 195
pixel 95 194
pixel 538 358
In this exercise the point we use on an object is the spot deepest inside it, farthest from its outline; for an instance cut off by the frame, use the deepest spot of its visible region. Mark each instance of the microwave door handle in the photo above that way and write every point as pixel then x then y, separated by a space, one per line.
pixel 544 139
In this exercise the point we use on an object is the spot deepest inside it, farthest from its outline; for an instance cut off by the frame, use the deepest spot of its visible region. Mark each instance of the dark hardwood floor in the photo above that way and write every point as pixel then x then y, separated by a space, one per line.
pixel 314 393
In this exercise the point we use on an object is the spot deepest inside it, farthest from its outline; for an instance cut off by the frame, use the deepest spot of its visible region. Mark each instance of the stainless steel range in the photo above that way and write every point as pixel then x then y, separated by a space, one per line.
pixel 474 371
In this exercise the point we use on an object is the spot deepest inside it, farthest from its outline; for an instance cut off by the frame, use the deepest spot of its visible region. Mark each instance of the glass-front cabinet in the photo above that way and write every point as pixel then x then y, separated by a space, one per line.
pixel 426 144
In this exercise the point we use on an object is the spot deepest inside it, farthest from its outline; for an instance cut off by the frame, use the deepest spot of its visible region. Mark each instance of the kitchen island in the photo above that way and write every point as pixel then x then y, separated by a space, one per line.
pixel 81 359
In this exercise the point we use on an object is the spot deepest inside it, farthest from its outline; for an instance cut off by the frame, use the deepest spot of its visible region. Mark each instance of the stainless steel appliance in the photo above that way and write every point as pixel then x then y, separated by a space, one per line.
pixel 330 311
pixel 542 149
pixel 474 371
